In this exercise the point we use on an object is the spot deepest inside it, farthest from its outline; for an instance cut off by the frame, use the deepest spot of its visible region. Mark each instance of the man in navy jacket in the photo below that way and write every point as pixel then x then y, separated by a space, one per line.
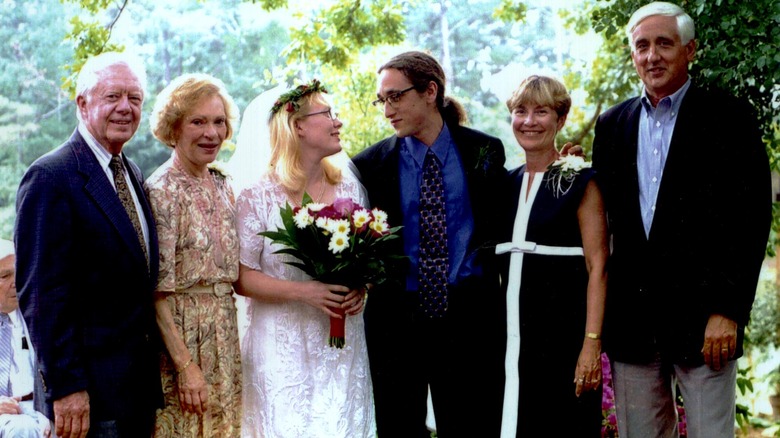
pixel 686 184
pixel 87 264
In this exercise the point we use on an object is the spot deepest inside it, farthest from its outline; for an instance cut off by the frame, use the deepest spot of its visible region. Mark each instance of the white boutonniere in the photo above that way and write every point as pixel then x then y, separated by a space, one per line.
pixel 561 173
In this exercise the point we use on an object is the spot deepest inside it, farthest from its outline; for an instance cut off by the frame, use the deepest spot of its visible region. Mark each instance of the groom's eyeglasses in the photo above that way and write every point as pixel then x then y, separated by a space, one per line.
pixel 391 99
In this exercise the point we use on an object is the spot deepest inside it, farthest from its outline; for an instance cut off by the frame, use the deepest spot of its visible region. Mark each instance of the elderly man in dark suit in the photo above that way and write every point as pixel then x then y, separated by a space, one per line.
pixel 686 183
pixel 444 325
pixel 87 264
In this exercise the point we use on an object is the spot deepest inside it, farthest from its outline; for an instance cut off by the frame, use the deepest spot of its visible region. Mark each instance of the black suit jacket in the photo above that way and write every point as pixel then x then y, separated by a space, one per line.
pixel 84 286
pixel 708 235
pixel 483 161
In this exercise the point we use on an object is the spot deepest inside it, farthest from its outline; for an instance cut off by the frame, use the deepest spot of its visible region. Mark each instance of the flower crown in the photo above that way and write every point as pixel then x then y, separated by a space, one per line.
pixel 290 100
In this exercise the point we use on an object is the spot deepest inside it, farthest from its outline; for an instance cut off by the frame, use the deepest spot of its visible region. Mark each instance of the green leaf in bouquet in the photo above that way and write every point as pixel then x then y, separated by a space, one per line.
pixel 306 199
pixel 277 236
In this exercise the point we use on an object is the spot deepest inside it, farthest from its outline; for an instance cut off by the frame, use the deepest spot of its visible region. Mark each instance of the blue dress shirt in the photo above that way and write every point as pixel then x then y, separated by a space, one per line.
pixel 460 221
pixel 656 125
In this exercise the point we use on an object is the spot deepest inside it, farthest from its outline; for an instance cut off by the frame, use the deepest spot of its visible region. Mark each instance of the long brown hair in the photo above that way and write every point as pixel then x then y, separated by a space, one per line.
pixel 421 69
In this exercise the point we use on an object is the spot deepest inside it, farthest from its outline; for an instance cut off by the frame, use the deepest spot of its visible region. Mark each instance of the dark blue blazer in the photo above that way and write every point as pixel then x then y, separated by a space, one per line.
pixel 483 160
pixel 709 232
pixel 84 286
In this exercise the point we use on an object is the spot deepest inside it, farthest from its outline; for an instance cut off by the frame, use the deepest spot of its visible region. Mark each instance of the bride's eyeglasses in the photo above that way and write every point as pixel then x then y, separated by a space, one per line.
pixel 329 112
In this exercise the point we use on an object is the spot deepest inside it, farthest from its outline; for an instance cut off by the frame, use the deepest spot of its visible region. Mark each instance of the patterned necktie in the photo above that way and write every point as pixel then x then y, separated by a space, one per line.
pixel 127 200
pixel 6 354
pixel 434 261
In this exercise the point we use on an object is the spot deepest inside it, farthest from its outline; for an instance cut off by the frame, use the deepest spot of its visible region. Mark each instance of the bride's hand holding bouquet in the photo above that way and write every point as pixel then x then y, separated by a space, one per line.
pixel 343 247
pixel 328 297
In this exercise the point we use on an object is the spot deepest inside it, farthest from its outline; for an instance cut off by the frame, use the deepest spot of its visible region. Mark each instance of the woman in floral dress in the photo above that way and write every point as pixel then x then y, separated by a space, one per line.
pixel 295 385
pixel 194 210
pixel 557 276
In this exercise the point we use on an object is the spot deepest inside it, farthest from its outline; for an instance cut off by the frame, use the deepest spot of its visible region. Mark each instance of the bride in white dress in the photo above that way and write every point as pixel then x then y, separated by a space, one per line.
pixel 295 385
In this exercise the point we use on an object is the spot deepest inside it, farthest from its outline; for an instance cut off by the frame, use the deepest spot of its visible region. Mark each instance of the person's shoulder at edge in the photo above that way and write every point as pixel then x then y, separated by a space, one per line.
pixel 378 148
pixel 465 130
pixel 719 97
pixel 618 107
pixel 160 178
pixel 55 159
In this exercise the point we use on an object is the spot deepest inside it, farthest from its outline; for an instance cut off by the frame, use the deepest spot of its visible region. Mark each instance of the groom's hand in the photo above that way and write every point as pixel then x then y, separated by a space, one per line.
pixel 572 149
pixel 720 341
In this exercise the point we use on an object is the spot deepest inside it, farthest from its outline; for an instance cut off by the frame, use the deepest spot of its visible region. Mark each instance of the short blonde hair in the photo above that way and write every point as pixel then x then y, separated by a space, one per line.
pixel 175 101
pixel 285 146
pixel 541 90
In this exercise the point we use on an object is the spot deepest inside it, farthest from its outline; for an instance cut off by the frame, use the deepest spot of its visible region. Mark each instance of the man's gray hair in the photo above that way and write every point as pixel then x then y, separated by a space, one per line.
pixel 89 76
pixel 685 27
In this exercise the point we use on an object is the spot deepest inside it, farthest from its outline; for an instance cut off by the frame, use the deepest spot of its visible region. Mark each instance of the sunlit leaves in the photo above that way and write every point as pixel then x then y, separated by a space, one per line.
pixel 269 5
pixel 335 35
pixel 510 10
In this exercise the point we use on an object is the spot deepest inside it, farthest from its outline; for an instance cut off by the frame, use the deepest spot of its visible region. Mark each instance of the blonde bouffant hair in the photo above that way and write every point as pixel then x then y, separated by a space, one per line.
pixel 179 97
pixel 285 146
pixel 541 90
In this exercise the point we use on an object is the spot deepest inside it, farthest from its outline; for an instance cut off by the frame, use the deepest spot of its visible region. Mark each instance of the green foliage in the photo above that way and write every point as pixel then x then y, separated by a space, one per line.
pixel 353 89
pixel 88 38
pixel 510 10
pixel 335 35
pixel 269 5
pixel 35 115
pixel 745 385
pixel 609 79
pixel 763 332
pixel 92 6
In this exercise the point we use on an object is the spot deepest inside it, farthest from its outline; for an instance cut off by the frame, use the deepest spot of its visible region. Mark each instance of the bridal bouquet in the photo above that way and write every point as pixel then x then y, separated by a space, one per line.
pixel 341 243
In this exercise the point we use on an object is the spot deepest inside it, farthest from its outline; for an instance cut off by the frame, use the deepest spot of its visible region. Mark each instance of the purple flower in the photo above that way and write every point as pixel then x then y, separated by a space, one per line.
pixel 344 206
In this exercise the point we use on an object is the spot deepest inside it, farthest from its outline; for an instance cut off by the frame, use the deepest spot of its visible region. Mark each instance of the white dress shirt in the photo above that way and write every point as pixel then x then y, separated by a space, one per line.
pixel 104 158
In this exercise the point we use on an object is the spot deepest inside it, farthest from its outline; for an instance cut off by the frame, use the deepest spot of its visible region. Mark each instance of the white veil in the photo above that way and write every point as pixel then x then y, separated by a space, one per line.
pixel 252 157
pixel 253 150
pixel 248 163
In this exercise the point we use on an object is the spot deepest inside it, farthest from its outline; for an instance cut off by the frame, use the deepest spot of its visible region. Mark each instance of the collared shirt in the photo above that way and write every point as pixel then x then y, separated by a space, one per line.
pixel 656 126
pixel 460 221
pixel 104 158
pixel 21 375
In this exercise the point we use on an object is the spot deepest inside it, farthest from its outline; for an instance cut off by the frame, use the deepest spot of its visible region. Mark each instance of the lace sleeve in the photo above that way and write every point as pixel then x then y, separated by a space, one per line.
pixel 353 188
pixel 251 219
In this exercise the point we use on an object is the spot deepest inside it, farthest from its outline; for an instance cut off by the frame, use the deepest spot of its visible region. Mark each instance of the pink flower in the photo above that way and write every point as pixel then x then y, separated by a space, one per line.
pixel 329 212
pixel 344 206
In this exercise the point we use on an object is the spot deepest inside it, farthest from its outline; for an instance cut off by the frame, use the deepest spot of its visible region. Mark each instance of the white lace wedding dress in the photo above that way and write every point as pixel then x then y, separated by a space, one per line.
pixel 295 385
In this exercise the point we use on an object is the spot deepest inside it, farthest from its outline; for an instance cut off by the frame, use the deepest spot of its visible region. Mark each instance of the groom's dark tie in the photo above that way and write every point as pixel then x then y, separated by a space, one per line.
pixel 434 261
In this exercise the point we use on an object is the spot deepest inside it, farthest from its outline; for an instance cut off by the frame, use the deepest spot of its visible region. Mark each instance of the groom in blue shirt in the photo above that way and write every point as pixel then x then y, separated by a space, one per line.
pixel 443 325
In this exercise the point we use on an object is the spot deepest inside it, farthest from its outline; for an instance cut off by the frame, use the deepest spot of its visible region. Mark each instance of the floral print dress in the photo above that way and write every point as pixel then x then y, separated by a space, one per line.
pixel 198 246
